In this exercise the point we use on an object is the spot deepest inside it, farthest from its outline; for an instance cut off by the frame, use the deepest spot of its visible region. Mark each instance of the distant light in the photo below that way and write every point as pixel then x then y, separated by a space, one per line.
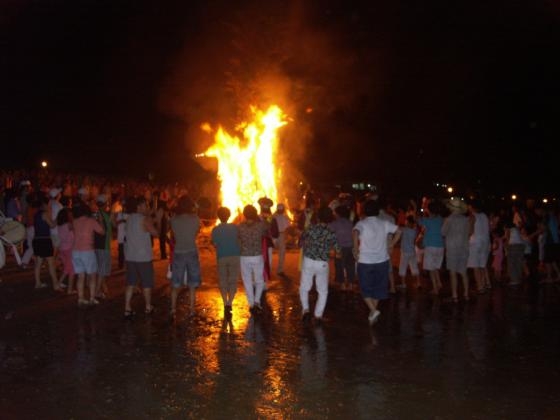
pixel 309 110
pixel 513 197
pixel 545 200
pixel 437 184
pixel 44 164
pixel 449 190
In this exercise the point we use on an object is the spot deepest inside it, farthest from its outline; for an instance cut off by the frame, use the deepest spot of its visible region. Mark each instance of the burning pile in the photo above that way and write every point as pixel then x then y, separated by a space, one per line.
pixel 247 166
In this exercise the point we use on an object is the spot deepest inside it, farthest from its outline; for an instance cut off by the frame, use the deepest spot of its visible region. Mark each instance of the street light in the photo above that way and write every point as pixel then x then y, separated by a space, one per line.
pixel 44 164
pixel 449 190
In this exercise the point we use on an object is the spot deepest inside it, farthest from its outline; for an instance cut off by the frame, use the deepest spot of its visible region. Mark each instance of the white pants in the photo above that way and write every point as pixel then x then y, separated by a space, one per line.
pixel 320 270
pixel 253 278
pixel 408 260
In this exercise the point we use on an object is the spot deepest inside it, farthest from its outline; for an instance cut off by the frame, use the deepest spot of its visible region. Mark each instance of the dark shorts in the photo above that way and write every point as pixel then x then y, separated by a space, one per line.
pixel 140 273
pixel 374 280
pixel 43 247
pixel 185 264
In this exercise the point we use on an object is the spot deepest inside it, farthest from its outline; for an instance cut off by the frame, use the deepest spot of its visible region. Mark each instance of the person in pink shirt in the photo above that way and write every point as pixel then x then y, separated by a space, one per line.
pixel 66 238
pixel 83 253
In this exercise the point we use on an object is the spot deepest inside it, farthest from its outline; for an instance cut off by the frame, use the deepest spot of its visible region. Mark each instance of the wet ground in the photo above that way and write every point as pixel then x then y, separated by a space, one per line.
pixel 496 357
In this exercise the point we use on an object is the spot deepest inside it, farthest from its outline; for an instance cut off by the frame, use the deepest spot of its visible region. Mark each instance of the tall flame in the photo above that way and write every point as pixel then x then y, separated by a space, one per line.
pixel 247 167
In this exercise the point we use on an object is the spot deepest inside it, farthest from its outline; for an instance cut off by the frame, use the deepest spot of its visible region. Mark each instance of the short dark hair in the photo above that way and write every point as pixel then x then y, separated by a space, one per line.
pixel 250 212
pixel 185 204
pixel 325 214
pixel 371 208
pixel 63 216
pixel 223 214
pixel 343 211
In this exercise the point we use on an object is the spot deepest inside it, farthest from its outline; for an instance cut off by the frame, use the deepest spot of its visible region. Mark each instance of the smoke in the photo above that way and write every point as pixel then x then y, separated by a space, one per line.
pixel 265 53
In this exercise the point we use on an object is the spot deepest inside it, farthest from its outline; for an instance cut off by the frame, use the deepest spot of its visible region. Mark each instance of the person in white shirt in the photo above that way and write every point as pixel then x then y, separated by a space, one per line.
pixel 371 245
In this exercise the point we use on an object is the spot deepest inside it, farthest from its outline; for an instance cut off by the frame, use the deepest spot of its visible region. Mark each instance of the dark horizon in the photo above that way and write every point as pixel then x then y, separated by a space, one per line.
pixel 401 94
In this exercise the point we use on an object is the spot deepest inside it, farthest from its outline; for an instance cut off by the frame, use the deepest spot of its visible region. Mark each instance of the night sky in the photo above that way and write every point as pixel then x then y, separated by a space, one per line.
pixel 403 93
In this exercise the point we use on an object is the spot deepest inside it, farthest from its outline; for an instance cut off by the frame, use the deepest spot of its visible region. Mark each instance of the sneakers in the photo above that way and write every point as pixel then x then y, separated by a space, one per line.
pixel 373 317
pixel 41 286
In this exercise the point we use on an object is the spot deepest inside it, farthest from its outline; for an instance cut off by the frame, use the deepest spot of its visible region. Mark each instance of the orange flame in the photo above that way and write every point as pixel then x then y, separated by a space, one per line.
pixel 247 167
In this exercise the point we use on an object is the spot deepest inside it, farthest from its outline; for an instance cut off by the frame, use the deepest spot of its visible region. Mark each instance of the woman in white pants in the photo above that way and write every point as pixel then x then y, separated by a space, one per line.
pixel 251 232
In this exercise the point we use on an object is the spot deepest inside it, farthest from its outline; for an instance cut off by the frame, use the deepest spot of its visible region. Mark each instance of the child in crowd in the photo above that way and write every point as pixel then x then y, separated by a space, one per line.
pixel 497 252
pixel 408 252
pixel 66 237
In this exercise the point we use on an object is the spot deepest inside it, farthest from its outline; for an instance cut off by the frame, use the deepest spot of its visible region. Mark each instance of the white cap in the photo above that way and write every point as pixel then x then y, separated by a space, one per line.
pixel 54 192
pixel 83 191
pixel 101 198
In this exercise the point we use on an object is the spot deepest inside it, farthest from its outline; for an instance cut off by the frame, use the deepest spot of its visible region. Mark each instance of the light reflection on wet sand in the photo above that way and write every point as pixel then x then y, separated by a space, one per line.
pixel 425 358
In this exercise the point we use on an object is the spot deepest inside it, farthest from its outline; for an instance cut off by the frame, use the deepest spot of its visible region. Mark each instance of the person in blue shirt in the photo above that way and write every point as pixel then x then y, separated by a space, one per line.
pixel 225 238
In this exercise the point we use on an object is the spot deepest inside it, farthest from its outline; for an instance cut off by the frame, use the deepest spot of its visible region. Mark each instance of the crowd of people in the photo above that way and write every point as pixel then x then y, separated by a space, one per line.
pixel 76 219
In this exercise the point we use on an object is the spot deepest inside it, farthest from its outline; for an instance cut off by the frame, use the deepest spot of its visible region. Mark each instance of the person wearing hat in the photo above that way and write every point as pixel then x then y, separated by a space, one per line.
pixel 456 230
pixel 102 243
pixel 280 222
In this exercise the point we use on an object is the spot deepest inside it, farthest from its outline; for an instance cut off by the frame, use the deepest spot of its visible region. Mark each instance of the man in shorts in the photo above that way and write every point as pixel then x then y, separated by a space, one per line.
pixel 185 226
pixel 138 254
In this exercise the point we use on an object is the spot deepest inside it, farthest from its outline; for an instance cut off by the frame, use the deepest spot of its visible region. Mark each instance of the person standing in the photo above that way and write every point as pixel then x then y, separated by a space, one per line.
pixel 66 235
pixel 280 222
pixel 43 245
pixel 185 225
pixel 162 219
pixel 432 240
pixel 138 254
pixel 371 250
pixel 103 246
pixel 83 252
pixel 119 218
pixel 317 241
pixel 225 238
pixel 457 229
pixel 408 257
pixel 251 233
pixel 479 246
pixel 345 266
pixel 55 207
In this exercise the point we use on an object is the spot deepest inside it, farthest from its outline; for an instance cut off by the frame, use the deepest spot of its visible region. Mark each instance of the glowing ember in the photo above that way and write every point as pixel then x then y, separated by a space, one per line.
pixel 247 167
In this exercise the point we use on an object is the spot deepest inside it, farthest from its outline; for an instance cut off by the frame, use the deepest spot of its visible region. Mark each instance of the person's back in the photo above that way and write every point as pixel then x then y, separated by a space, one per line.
pixel 432 231
pixel 138 245
pixel 481 232
pixel 408 239
pixel 185 228
pixel 342 227
pixel 225 237
pixel 456 231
